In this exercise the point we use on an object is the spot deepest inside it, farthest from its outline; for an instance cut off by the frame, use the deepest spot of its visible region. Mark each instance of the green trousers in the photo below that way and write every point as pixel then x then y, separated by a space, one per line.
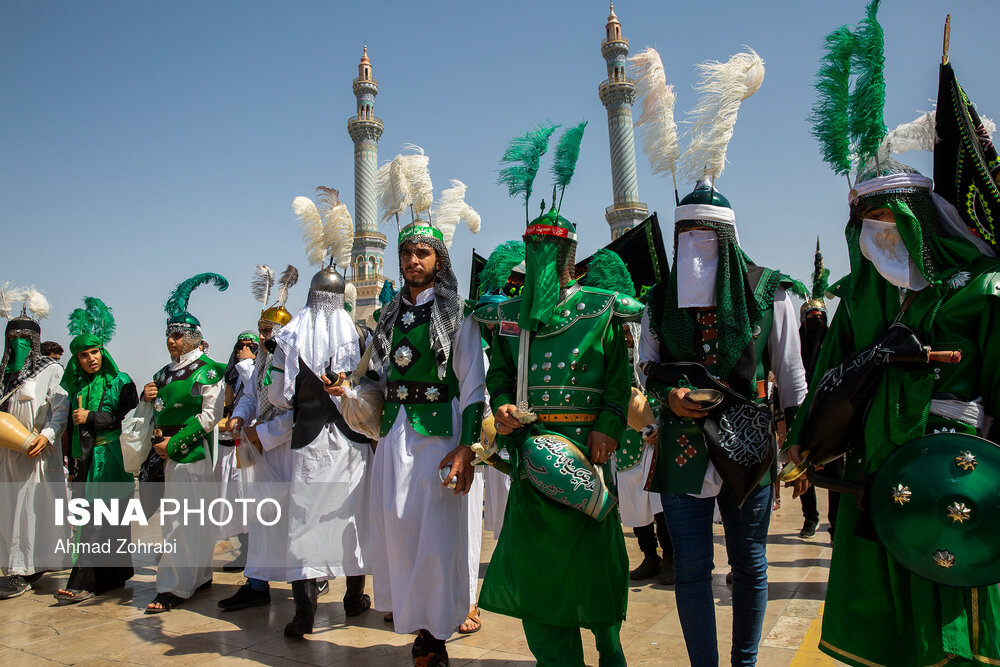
pixel 558 646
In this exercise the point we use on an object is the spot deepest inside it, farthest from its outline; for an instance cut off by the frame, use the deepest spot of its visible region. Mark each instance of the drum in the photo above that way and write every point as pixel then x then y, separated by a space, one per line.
pixel 13 434
pixel 558 469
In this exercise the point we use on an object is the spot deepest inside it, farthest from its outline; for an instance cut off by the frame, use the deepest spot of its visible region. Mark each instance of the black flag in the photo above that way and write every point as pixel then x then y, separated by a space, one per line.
pixel 641 248
pixel 966 166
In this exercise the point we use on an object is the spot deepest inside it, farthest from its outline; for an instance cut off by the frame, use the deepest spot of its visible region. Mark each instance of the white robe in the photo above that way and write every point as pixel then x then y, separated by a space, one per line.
pixel 190 566
pixel 475 500
pixel 228 467
pixel 497 489
pixel 322 488
pixel 420 532
pixel 636 505
pixel 31 486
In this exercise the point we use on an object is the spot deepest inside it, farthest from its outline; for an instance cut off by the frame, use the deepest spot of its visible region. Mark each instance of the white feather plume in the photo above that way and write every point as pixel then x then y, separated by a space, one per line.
pixel 312 229
pixel 452 210
pixel 419 177
pixel 989 126
pixel 723 87
pixel 917 135
pixel 351 297
pixel 261 284
pixel 36 302
pixel 338 233
pixel 288 278
pixel 9 295
pixel 393 188
pixel 656 118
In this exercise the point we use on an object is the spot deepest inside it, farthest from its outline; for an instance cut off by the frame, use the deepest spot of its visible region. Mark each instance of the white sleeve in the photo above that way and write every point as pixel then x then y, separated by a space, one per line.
pixel 211 405
pixel 276 390
pixel 58 402
pixel 245 369
pixel 467 361
pixel 786 353
pixel 649 348
pixel 246 404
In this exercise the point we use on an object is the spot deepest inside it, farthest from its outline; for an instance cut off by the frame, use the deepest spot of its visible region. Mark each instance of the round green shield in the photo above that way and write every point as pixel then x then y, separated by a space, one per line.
pixel 936 507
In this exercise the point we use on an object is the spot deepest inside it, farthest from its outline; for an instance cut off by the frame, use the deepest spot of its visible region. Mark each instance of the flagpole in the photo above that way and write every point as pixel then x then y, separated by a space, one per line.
pixel 947 40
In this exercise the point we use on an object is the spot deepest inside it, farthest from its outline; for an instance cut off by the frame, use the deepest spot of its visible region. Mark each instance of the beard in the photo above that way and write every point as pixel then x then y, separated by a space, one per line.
pixel 423 281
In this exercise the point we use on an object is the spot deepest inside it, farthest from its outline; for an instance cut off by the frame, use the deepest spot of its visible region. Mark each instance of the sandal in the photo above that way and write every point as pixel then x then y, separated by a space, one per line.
pixel 471 618
pixel 73 595
pixel 167 601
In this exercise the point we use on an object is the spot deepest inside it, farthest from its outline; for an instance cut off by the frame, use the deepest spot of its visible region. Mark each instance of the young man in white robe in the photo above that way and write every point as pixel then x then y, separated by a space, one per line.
pixel 431 358
pixel 30 541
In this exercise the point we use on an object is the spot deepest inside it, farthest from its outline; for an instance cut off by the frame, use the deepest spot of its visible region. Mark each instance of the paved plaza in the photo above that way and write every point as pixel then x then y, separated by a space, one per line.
pixel 114 630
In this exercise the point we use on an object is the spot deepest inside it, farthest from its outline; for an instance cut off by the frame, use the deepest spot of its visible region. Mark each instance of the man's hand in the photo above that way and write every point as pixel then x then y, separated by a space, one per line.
pixel 460 460
pixel 80 416
pixel 801 485
pixel 333 388
pixel 681 406
pixel 245 353
pixel 601 446
pixel 149 392
pixel 234 425
pixel 504 419
pixel 37 445
pixel 161 448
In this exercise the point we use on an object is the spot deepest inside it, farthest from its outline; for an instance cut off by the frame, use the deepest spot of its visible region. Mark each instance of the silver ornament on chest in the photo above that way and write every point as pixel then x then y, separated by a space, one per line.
pixel 403 356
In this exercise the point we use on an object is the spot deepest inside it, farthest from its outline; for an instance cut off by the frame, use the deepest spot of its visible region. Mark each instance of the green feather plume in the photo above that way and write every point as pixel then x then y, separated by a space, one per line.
pixel 177 304
pixel 829 114
pixel 607 271
pixel 798 288
pixel 867 100
pixel 387 294
pixel 525 155
pixel 820 277
pixel 501 262
pixel 567 153
pixel 94 318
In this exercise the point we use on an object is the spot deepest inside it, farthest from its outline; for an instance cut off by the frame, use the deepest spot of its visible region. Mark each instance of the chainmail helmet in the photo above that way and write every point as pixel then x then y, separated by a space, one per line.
pixel 447 307
pixel 326 290
pixel 22 326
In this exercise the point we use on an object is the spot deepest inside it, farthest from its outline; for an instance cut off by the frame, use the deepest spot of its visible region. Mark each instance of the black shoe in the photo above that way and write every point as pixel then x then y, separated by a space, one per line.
pixel 14 586
pixel 729 578
pixel 429 651
pixel 246 597
pixel 324 588
pixel 808 530
pixel 304 592
pixel 667 572
pixel 648 568
pixel 355 600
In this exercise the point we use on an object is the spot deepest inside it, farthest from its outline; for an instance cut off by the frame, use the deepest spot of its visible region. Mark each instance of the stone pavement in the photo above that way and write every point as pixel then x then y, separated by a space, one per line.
pixel 113 629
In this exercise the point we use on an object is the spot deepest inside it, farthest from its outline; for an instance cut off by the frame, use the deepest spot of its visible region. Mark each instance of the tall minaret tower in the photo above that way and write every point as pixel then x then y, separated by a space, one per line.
pixel 369 245
pixel 617 95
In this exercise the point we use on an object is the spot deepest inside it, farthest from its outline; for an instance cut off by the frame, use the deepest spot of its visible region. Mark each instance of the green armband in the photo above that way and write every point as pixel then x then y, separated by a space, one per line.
pixel 472 424
pixel 186 446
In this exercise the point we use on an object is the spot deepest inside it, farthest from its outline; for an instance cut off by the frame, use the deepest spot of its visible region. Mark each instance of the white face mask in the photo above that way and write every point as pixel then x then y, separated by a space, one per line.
pixel 697 264
pixel 884 247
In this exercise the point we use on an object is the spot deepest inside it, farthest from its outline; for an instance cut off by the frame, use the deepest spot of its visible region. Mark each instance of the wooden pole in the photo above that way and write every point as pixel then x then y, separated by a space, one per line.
pixel 947 40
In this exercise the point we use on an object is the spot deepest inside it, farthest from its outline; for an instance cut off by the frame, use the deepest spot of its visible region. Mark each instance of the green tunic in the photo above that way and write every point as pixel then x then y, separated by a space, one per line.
pixel 555 565
pixel 878 613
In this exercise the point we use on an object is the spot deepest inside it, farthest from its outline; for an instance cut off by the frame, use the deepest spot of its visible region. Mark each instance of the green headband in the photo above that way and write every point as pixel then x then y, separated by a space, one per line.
pixel 419 230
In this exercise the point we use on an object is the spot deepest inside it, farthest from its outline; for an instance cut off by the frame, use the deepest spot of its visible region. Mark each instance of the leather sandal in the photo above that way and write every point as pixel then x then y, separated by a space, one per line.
pixel 472 617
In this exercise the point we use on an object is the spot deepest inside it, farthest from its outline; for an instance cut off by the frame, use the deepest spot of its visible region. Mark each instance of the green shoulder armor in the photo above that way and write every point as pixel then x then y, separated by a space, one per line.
pixel 494 312
pixel 627 307
pixel 210 373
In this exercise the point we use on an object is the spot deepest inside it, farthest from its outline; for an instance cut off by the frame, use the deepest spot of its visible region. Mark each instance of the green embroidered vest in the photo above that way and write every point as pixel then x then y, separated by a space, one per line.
pixel 413 381
pixel 177 404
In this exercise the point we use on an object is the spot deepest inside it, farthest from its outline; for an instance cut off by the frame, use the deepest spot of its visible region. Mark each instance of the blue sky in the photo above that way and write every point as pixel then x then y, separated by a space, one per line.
pixel 144 142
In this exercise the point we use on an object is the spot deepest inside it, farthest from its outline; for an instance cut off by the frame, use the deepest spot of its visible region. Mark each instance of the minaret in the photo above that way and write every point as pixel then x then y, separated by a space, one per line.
pixel 369 245
pixel 617 95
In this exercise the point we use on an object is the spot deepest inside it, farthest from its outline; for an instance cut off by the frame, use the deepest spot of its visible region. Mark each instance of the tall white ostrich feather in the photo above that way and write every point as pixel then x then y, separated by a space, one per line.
pixel 656 118
pixel 989 126
pixel 36 302
pixel 261 283
pixel 338 233
pixel 9 295
pixel 351 297
pixel 452 210
pixel 723 87
pixel 312 229
pixel 916 135
pixel 393 188
pixel 419 176
pixel 286 281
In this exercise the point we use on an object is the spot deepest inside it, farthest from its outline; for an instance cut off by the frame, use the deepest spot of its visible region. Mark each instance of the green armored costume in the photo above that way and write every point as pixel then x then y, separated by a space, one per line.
pixel 560 356
pixel 913 261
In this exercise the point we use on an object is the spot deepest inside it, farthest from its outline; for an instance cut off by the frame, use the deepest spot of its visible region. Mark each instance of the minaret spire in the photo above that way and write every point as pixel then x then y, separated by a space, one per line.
pixel 369 244
pixel 617 94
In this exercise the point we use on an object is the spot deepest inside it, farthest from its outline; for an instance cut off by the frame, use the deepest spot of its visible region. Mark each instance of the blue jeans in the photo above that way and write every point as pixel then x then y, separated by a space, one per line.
pixel 689 521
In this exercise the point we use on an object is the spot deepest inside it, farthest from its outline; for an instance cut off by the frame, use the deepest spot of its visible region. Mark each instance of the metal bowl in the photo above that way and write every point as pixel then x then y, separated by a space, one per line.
pixel 705 398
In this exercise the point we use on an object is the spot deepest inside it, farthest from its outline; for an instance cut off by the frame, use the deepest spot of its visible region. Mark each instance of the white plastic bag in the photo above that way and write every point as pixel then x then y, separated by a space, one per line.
pixel 136 438
pixel 361 407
